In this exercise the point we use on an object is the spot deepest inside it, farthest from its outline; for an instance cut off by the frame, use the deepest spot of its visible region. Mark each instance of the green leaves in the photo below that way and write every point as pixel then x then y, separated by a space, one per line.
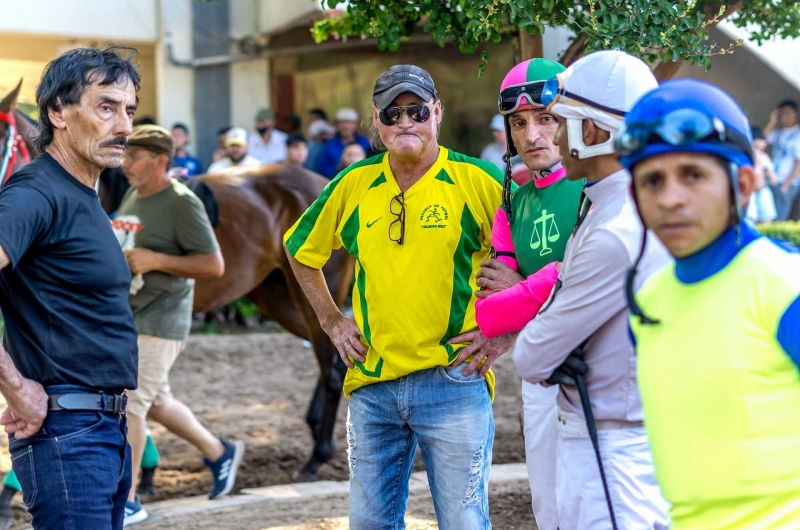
pixel 657 30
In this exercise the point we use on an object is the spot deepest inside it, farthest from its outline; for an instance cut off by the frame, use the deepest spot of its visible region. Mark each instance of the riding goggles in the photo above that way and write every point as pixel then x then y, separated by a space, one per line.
pixel 511 98
pixel 680 128
pixel 418 113
pixel 554 89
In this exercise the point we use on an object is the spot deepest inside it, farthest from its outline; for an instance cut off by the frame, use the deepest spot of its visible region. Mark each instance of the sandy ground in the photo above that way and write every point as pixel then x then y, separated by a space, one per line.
pixel 256 388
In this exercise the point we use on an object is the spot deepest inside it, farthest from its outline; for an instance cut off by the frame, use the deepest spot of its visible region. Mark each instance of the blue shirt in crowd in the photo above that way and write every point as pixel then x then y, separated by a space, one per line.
pixel 192 164
pixel 330 154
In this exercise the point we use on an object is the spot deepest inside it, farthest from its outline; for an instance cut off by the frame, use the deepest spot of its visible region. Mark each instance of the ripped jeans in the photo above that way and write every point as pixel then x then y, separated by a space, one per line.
pixel 450 417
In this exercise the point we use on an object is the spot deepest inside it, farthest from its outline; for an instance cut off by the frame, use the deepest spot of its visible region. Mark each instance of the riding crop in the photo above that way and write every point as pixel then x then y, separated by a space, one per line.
pixel 572 373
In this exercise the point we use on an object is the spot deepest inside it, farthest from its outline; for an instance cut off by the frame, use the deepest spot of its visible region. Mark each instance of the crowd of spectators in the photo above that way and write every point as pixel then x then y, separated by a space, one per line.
pixel 327 147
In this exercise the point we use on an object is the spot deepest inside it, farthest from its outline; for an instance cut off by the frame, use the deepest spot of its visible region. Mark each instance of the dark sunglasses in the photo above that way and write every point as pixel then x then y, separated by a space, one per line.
pixel 392 115
pixel 678 128
pixel 398 208
pixel 512 97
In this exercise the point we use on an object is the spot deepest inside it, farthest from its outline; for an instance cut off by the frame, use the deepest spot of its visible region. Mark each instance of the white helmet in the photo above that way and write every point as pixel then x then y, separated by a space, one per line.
pixel 602 87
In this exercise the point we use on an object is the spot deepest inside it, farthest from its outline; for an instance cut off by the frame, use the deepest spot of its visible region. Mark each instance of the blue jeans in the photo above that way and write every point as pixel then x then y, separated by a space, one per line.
pixel 784 200
pixel 450 417
pixel 76 471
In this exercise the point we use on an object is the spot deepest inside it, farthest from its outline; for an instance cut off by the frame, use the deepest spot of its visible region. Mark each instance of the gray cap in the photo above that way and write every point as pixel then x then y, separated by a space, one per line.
pixel 402 78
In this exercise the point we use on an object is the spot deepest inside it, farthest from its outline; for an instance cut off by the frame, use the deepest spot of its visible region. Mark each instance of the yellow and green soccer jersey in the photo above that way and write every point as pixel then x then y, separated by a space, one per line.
pixel 409 299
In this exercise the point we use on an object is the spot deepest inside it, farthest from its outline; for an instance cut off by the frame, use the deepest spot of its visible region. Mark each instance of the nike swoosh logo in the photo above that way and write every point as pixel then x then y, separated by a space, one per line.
pixel 369 225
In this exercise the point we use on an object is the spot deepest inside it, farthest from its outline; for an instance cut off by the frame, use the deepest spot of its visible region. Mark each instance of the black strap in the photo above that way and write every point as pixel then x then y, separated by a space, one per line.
pixel 505 253
pixel 583 211
pixel 598 106
pixel 115 403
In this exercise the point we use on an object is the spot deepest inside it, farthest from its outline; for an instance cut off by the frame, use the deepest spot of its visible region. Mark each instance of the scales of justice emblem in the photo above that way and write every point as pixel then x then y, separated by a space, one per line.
pixel 548 234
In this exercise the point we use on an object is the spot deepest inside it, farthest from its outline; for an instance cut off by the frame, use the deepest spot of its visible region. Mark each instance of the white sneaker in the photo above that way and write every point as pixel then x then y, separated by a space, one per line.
pixel 134 513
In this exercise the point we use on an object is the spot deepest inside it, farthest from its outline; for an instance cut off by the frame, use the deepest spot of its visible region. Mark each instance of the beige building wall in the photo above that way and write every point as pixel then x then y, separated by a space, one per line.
pixel 250 87
pixel 118 20
pixel 25 56
pixel 175 84
pixel 274 15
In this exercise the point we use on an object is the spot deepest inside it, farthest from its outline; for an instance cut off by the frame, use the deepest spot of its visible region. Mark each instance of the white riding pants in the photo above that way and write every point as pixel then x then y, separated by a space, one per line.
pixel 635 495
pixel 541 434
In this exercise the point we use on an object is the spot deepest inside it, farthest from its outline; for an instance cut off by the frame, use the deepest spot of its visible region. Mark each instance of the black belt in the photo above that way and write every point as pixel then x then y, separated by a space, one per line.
pixel 113 402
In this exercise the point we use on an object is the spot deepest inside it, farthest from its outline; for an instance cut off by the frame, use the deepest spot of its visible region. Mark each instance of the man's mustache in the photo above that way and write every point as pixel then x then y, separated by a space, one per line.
pixel 117 140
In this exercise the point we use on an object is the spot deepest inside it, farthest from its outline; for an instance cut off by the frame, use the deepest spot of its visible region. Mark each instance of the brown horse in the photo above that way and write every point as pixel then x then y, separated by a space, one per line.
pixel 256 206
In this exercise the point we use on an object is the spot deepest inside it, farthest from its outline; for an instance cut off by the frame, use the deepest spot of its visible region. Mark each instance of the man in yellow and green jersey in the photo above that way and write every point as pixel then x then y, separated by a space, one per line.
pixel 718 331
pixel 418 220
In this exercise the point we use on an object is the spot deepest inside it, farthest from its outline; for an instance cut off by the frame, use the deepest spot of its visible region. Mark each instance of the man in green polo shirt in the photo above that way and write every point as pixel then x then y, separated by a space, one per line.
pixel 168 242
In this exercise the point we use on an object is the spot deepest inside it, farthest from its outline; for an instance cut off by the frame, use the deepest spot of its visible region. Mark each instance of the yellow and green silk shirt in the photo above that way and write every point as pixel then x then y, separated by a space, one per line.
pixel 409 299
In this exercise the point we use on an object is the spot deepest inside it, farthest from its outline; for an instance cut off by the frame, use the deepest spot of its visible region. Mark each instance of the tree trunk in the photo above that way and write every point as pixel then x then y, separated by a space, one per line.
pixel 666 70
pixel 530 46
pixel 575 50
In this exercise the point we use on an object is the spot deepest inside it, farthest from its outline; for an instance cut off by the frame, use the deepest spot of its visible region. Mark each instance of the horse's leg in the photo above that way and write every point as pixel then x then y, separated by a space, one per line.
pixel 275 300
pixel 314 412
pixel 280 297
pixel 332 382
pixel 332 368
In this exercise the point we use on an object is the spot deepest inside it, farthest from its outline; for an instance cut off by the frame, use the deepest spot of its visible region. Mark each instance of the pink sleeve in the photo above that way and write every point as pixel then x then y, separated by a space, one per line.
pixel 501 239
pixel 511 309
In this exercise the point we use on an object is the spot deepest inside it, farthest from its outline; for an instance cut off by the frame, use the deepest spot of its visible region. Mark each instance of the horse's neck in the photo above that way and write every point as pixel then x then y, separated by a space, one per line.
pixel 28 131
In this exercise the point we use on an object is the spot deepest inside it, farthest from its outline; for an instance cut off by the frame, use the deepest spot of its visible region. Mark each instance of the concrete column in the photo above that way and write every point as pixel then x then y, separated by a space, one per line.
pixel 211 84
pixel 175 84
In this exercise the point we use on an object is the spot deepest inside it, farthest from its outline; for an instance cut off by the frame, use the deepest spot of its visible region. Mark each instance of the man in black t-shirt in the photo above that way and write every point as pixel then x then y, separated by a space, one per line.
pixel 70 349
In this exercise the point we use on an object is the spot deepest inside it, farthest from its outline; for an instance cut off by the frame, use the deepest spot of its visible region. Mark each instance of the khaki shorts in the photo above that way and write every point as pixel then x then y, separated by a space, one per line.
pixel 156 357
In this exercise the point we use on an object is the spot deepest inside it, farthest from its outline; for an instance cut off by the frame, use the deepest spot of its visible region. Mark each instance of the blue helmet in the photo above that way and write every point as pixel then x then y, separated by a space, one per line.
pixel 686 116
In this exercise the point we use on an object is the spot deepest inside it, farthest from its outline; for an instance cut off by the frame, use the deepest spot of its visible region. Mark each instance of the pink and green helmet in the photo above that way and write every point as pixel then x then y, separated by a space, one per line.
pixel 521 90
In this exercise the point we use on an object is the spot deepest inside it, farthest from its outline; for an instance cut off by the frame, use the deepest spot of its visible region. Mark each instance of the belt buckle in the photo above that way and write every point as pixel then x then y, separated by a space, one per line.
pixel 120 400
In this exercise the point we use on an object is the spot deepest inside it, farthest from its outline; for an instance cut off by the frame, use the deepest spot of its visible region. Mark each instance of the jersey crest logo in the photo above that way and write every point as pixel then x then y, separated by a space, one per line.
pixel 548 234
pixel 434 216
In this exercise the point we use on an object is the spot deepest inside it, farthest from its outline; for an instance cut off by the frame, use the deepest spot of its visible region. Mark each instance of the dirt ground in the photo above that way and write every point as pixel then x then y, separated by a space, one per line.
pixel 256 388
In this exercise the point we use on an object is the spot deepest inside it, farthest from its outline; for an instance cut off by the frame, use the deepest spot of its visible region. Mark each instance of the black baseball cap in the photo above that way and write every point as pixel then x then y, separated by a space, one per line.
pixel 402 78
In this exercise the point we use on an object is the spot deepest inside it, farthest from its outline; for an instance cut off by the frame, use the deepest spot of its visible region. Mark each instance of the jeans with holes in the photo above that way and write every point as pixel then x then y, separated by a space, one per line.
pixel 450 417
pixel 76 471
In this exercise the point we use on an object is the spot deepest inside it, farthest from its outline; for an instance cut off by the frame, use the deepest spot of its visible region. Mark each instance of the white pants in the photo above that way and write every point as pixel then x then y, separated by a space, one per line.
pixel 541 434
pixel 628 464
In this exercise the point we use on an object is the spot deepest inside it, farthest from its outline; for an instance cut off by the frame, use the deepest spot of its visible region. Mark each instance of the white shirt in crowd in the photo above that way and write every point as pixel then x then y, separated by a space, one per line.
pixel 226 162
pixel 494 153
pixel 785 150
pixel 268 152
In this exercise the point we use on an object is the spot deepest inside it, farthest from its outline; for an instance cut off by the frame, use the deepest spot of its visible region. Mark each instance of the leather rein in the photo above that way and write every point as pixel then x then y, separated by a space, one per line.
pixel 14 145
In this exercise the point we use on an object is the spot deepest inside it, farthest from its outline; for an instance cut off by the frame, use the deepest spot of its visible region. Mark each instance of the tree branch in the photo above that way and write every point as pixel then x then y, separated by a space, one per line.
pixel 667 69
pixel 574 51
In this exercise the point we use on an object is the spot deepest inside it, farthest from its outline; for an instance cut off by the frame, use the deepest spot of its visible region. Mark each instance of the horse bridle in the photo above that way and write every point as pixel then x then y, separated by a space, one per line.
pixel 14 144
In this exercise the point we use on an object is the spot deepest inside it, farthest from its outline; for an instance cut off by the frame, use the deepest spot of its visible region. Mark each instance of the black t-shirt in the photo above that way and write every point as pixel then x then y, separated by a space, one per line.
pixel 64 296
